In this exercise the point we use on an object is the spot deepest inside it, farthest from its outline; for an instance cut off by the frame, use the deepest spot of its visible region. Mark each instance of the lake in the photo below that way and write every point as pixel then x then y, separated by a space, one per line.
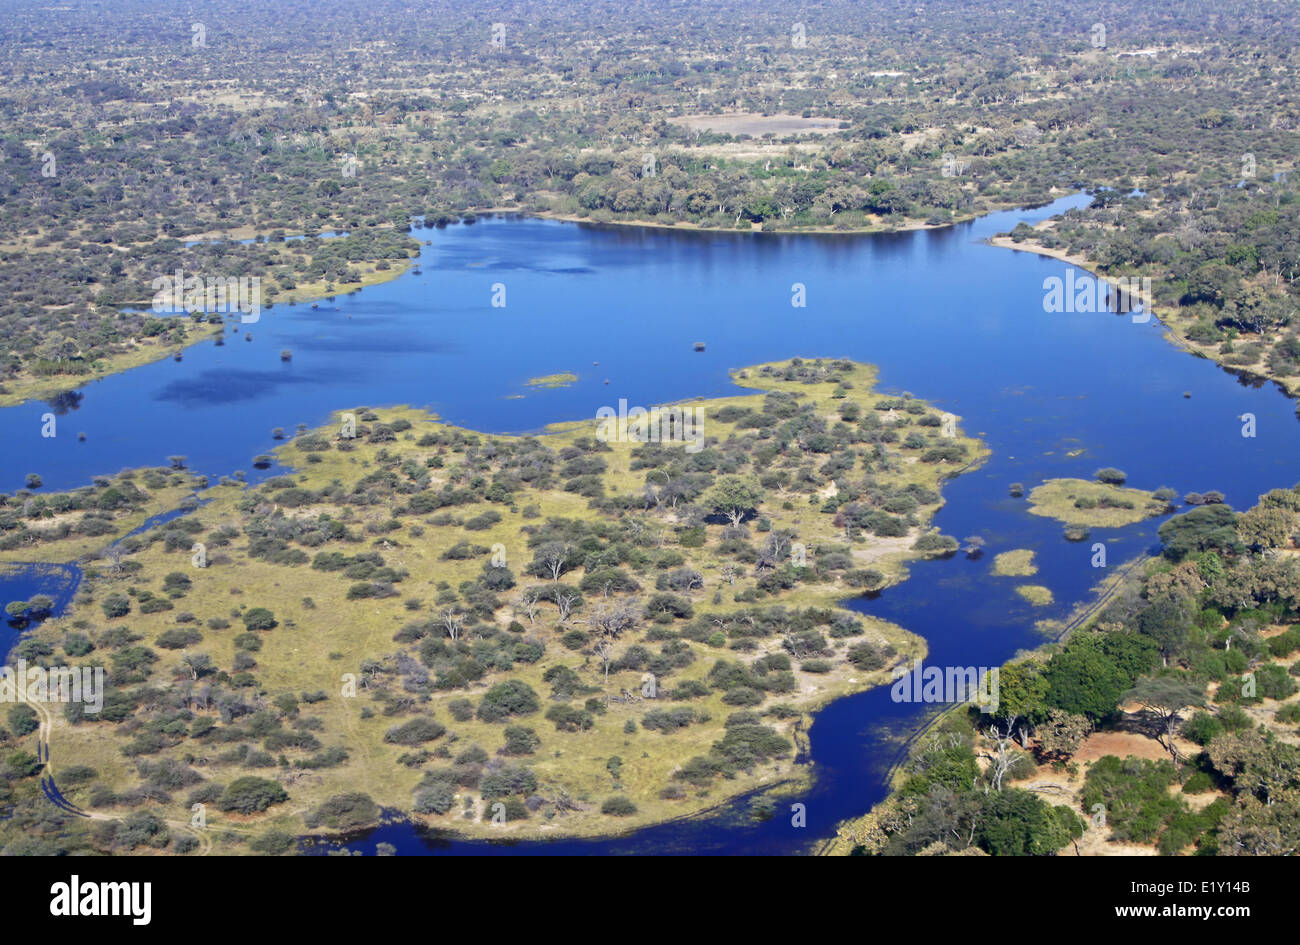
pixel 944 316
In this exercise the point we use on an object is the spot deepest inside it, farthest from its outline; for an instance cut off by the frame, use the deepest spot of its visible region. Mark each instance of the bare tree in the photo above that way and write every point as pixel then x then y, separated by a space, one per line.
pixel 197 663
pixel 554 556
pixel 453 622
pixel 605 650
pixel 526 604
pixel 565 601
pixel 1002 734
pixel 611 620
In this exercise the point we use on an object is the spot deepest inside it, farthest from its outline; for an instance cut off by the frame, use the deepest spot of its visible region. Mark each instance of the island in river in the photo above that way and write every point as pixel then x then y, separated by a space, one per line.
pixel 574 633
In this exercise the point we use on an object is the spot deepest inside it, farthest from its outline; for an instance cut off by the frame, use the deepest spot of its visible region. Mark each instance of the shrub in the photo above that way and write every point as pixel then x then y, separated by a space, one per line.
pixel 116 605
pixel 259 618
pixel 506 699
pixel 521 740
pixel 867 656
pixel 344 812
pixel 1202 727
pixel 668 720
pixel 415 732
pixel 462 710
pixel 1135 794
pixel 435 799
pixel 272 843
pixel 618 806
pixel 507 780
pixel 178 638
pixel 569 719
pixel 23 720
pixel 251 795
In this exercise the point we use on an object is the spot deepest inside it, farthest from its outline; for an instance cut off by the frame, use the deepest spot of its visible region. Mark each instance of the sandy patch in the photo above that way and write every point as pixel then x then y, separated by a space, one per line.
pixel 749 123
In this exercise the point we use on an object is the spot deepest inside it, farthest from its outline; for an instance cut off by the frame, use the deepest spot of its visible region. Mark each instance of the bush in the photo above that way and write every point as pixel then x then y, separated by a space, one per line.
pixel 251 795
pixel 344 812
pixel 1135 795
pixel 1202 727
pixel 507 780
pixel 415 732
pixel 462 710
pixel 618 806
pixel 521 740
pixel 509 808
pixel 865 578
pixel 1018 823
pixel 259 618
pixel 272 843
pixel 866 656
pixel 742 695
pixel 435 799
pixel 23 720
pixel 569 719
pixel 116 605
pixel 178 638
pixel 506 699
pixel 668 720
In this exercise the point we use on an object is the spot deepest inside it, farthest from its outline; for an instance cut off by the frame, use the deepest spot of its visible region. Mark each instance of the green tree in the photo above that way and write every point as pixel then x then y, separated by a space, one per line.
pixel 259 618
pixel 251 795
pixel 734 496
pixel 1019 823
pixel 1165 697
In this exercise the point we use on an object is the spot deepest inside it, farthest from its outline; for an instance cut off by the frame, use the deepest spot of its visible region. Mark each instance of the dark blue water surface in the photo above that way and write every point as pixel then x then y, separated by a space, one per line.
pixel 952 320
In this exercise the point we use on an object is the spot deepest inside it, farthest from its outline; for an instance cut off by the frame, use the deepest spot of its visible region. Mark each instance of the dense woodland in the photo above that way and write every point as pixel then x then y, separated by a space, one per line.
pixel 1199 655
pixel 1223 257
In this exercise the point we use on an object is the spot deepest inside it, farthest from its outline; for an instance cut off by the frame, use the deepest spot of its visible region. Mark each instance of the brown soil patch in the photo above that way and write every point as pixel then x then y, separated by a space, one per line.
pixel 757 125
pixel 1123 744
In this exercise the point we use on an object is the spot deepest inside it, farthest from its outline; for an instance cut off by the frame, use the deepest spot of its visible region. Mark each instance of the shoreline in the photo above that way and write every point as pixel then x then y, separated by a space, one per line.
pixel 42 388
pixel 39 389
pixel 1171 332
pixel 845 840
pixel 690 227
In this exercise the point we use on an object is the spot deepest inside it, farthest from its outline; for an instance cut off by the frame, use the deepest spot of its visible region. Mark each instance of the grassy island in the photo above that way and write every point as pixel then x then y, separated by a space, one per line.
pixel 575 633
pixel 1018 563
pixel 1095 504
pixel 1036 594
pixel 562 379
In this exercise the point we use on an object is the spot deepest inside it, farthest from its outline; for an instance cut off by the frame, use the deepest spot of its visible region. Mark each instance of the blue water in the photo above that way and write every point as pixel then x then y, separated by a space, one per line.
pixel 944 316
pixel 23 582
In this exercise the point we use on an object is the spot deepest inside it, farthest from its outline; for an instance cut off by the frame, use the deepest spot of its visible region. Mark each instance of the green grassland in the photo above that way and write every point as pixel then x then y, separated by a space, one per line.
pixel 1036 594
pixel 1016 563
pixel 1097 504
pixel 69 526
pixel 409 639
